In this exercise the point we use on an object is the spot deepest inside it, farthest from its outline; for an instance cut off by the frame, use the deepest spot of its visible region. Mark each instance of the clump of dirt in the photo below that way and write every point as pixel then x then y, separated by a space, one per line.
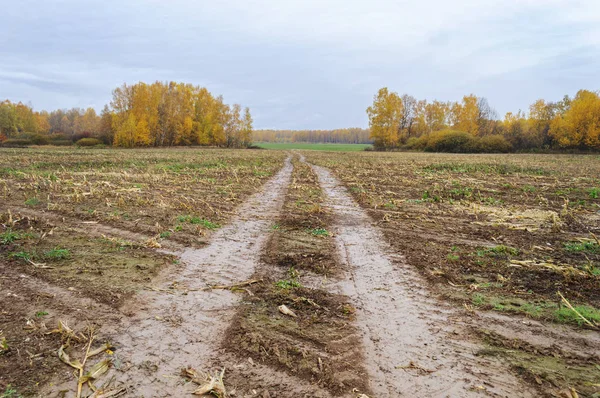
pixel 318 342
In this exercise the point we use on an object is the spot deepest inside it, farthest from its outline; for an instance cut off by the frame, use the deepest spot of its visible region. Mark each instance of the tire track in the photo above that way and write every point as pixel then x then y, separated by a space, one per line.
pixel 410 339
pixel 180 323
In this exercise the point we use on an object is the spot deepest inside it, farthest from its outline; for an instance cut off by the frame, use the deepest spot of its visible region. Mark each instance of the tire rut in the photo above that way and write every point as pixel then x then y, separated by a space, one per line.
pixel 181 323
pixel 411 340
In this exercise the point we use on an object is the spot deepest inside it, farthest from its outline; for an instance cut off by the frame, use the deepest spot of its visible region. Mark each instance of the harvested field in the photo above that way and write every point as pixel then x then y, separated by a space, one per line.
pixel 501 233
pixel 291 274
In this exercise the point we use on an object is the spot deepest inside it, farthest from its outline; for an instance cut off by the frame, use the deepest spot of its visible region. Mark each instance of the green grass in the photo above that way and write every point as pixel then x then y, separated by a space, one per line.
pixel 23 255
pixel 10 393
pixel 199 221
pixel 313 146
pixel 567 315
pixel 8 237
pixel 32 202
pixel 57 254
pixel 582 247
pixel 319 232
pixel 287 284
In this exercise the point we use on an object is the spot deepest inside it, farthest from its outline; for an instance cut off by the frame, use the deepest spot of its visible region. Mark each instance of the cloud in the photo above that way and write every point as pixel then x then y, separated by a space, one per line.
pixel 301 64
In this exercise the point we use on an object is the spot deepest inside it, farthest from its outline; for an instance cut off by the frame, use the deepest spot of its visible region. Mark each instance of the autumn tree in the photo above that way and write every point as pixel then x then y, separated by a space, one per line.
pixel 385 117
pixel 578 125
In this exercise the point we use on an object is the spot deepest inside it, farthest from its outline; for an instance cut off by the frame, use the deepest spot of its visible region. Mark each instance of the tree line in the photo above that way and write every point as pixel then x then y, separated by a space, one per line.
pixel 471 125
pixel 339 136
pixel 157 114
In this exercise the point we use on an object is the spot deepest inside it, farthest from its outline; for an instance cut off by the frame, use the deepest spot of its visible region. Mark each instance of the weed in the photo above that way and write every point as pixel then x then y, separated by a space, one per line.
pixel 10 393
pixel 582 247
pixel 276 227
pixel 529 188
pixel 478 299
pixel 32 202
pixel 57 254
pixel 40 314
pixel 287 284
pixel 198 221
pixel 594 193
pixel 566 315
pixel 8 237
pixel 461 192
pixel 165 234
pixel 319 232
pixel 23 255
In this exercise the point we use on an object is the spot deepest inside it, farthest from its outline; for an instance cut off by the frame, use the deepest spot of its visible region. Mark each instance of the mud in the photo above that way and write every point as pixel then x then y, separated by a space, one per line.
pixel 319 349
pixel 411 340
pixel 181 323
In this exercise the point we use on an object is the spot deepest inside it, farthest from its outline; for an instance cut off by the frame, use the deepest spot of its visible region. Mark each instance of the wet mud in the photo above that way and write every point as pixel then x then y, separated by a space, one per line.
pixel 181 321
pixel 415 345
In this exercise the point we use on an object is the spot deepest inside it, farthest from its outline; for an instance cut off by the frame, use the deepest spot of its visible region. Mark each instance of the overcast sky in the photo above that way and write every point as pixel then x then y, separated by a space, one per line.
pixel 300 64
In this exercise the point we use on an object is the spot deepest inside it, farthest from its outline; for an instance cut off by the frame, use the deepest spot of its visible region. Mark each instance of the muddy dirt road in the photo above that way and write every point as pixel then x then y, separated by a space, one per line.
pixel 412 344
pixel 411 340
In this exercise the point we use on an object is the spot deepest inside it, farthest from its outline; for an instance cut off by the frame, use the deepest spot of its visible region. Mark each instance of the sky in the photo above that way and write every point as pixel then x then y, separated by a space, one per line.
pixel 306 64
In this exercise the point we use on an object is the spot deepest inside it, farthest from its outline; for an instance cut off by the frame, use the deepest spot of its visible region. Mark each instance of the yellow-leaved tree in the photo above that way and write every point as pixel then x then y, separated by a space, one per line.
pixel 579 125
pixel 385 117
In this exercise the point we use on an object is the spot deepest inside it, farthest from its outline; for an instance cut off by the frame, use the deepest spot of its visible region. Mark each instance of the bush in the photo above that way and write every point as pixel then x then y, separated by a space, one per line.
pixel 35 138
pixel 61 142
pixel 2 138
pixel 59 136
pixel 88 142
pixel 494 144
pixel 16 143
pixel 417 144
pixel 451 141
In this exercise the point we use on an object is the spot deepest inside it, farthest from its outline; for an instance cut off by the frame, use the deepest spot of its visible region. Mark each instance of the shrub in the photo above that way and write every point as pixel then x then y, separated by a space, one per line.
pixel 451 141
pixel 494 144
pixel 2 138
pixel 88 142
pixel 16 143
pixel 61 142
pixel 36 139
pixel 417 144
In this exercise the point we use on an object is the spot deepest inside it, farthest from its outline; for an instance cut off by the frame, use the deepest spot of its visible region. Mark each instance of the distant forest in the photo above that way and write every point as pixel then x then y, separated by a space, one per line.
pixel 338 136
pixel 157 114
pixel 472 125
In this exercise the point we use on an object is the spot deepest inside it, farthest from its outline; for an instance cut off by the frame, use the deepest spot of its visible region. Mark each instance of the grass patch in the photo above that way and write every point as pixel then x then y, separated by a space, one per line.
pixel 287 284
pixel 57 254
pixel 198 221
pixel 22 255
pixel 487 168
pixel 10 392
pixel 582 247
pixel 319 232
pixel 8 237
pixel 32 202
pixel 566 315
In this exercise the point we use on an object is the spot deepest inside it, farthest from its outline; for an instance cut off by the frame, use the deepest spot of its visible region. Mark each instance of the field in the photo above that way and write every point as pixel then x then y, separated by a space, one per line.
pixel 298 273
pixel 313 147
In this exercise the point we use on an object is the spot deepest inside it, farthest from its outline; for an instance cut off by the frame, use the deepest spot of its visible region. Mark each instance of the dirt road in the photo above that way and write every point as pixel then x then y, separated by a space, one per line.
pixel 412 344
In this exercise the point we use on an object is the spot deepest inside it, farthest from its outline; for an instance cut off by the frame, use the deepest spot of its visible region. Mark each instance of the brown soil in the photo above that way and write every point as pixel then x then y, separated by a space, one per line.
pixel 456 219
pixel 322 344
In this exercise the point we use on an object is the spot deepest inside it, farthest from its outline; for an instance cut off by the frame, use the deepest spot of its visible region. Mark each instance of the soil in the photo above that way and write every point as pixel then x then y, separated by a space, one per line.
pixel 388 291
